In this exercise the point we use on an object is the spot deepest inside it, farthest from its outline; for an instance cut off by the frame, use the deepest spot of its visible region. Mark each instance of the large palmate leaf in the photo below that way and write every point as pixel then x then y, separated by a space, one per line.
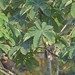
pixel 3 17
pixel 34 5
pixel 41 29
pixel 18 20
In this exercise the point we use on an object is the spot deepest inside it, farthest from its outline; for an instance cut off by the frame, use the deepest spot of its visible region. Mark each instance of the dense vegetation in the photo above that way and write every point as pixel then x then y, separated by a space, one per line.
pixel 29 27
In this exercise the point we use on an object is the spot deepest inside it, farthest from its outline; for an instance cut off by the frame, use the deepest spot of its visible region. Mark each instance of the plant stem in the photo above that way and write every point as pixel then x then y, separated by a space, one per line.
pixel 65 26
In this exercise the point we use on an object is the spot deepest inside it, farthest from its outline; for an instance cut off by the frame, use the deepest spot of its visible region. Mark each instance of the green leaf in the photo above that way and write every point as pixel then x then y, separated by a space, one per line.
pixel 65 41
pixel 37 39
pixel 32 28
pixel 45 9
pixel 36 4
pixel 49 36
pixel 13 51
pixel 1 22
pixel 29 65
pixel 54 24
pixel 73 34
pixel 1 34
pixel 63 3
pixel 38 24
pixel 33 12
pixel 59 45
pixel 44 25
pixel 18 19
pixel 34 61
pixel 30 34
pixel 19 63
pixel 72 10
pixel 2 16
pixel 48 27
pixel 7 35
pixel 14 30
pixel 72 53
pixel 25 48
pixel 3 47
pixel 25 9
pixel 3 4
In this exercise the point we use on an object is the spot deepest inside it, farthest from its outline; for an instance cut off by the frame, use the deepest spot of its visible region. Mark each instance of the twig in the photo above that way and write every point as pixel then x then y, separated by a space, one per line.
pixel 71 32
pixel 69 21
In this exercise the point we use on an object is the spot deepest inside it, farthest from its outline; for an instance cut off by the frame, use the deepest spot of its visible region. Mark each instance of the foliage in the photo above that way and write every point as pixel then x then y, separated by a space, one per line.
pixel 24 24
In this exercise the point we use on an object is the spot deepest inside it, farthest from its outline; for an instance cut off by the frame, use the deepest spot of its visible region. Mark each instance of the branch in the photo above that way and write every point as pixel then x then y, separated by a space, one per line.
pixel 69 21
pixel 71 32
pixel 49 51
pixel 5 71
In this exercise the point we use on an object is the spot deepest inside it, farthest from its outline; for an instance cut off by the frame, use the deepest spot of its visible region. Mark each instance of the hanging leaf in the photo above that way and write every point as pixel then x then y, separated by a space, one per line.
pixel 33 61
pixel 29 65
